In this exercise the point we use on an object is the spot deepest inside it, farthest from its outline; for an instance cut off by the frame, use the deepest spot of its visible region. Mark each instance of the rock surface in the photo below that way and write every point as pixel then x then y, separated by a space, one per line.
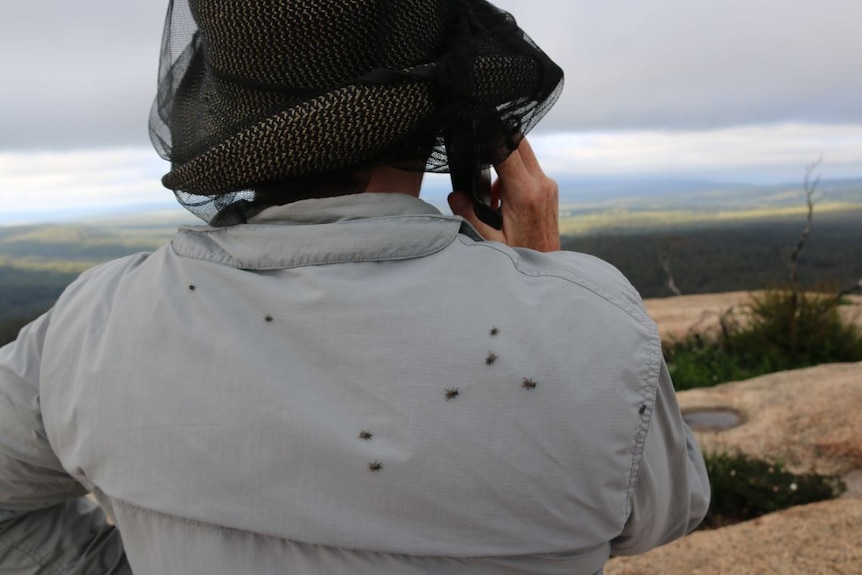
pixel 809 418
pixel 678 316
pixel 821 538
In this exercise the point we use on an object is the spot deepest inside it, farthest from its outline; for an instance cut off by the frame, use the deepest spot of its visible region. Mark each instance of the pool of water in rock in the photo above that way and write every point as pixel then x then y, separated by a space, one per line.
pixel 711 419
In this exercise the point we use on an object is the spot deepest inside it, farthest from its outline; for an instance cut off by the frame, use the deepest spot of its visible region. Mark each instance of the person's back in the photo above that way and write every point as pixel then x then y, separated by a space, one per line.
pixel 350 384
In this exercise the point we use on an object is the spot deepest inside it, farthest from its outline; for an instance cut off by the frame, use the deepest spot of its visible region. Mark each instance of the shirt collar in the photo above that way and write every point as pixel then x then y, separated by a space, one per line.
pixel 345 208
pixel 361 227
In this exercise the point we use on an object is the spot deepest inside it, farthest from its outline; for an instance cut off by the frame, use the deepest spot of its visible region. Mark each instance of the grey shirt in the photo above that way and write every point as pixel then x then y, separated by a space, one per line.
pixel 349 385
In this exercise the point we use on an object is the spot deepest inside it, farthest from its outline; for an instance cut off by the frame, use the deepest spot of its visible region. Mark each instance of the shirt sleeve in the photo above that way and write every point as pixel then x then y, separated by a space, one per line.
pixel 46 526
pixel 672 493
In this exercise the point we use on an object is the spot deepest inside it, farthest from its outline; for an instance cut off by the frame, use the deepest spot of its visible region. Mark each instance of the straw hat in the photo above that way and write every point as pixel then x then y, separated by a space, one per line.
pixel 291 94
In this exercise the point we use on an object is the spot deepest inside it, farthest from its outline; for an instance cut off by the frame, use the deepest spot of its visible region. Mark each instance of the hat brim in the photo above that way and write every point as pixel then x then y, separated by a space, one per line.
pixel 307 139
pixel 349 126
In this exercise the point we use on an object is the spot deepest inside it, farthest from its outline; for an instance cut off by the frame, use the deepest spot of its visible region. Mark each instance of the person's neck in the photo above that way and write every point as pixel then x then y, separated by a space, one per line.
pixel 388 180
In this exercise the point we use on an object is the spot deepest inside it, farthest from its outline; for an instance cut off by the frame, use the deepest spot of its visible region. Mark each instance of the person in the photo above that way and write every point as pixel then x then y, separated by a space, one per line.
pixel 334 377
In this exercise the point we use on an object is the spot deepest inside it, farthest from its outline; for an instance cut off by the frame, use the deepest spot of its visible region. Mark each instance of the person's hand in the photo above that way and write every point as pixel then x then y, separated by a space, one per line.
pixel 529 201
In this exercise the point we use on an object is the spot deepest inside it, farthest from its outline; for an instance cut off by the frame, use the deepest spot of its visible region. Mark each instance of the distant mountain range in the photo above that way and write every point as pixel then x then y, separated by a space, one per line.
pixel 593 195
pixel 667 194
pixel 723 237
pixel 578 196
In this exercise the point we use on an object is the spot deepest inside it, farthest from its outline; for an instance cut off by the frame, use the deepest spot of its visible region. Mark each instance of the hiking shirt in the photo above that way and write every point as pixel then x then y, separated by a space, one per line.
pixel 350 385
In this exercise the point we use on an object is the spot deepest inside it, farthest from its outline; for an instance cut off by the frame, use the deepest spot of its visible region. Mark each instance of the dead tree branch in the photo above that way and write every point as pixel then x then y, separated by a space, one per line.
pixel 809 186
pixel 664 260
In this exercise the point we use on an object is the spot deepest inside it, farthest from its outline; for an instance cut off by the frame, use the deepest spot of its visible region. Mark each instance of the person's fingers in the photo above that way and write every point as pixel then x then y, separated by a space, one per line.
pixel 528 157
pixel 512 168
pixel 518 183
pixel 521 163
pixel 461 204
pixel 529 202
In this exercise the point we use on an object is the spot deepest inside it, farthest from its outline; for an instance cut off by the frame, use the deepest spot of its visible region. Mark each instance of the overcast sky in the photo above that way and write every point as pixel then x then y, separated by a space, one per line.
pixel 650 85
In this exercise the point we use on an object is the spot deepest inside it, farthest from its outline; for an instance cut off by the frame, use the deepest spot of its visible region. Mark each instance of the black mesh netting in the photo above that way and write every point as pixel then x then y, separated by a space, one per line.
pixel 263 103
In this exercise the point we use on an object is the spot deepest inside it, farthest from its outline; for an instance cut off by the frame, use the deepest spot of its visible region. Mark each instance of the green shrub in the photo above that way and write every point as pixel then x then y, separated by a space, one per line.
pixel 695 362
pixel 745 488
pixel 783 329
pixel 797 329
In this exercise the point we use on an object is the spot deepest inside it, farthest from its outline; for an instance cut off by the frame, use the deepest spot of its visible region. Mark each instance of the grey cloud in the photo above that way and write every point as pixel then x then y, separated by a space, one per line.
pixel 83 73
pixel 701 64
pixel 78 74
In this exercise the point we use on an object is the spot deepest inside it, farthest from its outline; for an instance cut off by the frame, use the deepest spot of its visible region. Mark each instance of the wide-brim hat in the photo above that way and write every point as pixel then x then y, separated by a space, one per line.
pixel 286 94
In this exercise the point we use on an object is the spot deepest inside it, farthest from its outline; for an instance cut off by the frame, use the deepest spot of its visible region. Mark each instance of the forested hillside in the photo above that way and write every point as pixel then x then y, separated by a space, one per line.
pixel 37 262
pixel 732 256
